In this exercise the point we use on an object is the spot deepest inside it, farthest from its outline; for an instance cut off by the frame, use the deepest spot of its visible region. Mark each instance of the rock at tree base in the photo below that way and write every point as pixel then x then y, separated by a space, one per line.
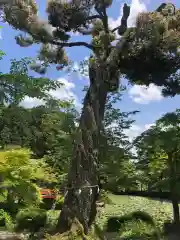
pixel 10 236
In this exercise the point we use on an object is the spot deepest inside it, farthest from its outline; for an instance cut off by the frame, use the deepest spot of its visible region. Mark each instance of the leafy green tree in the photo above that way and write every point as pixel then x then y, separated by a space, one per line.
pixel 44 130
pixel 116 168
pixel 20 126
pixel 161 146
pixel 147 53
pixel 58 128
pixel 18 176
pixel 14 126
pixel 17 84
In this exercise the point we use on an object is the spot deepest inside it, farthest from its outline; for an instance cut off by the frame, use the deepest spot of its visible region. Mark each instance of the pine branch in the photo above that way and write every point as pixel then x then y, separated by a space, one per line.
pixel 97 16
pixel 85 31
pixel 71 44
pixel 105 20
pixel 106 27
pixel 113 57
pixel 115 29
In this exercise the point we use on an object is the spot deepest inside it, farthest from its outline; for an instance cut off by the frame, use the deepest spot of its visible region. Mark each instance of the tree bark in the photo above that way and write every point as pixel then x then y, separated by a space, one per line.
pixel 175 211
pixel 173 182
pixel 82 190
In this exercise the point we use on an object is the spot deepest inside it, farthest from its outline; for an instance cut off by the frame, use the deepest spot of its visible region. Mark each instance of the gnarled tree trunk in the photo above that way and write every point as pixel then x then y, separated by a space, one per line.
pixel 82 191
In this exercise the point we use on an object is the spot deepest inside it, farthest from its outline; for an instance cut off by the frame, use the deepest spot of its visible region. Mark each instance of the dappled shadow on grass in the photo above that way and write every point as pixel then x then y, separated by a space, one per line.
pixel 124 205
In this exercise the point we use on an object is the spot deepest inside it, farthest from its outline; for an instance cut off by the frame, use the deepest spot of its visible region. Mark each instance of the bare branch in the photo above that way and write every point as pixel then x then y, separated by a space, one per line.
pixel 93 17
pixel 72 44
pixel 106 26
pixel 105 22
pixel 123 27
pixel 85 31
pixel 115 29
pixel 124 31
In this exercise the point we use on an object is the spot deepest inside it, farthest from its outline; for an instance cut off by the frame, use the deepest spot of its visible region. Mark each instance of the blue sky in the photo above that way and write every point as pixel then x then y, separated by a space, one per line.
pixel 148 101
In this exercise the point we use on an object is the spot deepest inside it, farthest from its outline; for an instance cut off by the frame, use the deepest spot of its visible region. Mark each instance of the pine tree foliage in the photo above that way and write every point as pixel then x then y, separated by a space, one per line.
pixel 153 43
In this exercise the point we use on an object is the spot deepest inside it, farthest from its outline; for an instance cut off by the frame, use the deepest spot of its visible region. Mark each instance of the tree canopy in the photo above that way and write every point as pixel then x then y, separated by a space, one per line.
pixel 158 153
pixel 153 43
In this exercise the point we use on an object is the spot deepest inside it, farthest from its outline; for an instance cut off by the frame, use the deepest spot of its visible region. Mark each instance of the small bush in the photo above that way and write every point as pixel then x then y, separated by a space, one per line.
pixel 104 196
pixel 138 230
pixel 2 218
pixel 52 219
pixel 31 219
pixel 5 220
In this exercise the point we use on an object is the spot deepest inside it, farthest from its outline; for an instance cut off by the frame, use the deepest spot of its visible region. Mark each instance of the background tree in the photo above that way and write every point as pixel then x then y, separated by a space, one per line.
pixel 17 84
pixel 24 127
pixel 58 128
pixel 116 168
pixel 42 129
pixel 151 47
pixel 161 145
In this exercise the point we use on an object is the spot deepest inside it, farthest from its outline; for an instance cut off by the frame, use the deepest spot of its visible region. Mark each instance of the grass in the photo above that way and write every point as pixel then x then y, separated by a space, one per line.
pixel 160 211
pixel 121 205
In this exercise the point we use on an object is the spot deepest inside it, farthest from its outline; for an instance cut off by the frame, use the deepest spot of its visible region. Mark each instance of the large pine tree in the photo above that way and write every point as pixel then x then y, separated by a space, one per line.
pixel 146 53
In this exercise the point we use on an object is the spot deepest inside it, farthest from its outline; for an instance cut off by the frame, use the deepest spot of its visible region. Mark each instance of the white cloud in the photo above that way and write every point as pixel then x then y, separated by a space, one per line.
pixel 147 126
pixel 145 95
pixel 74 34
pixel 29 102
pixel 136 130
pixel 65 92
pixel 82 74
pixel 136 7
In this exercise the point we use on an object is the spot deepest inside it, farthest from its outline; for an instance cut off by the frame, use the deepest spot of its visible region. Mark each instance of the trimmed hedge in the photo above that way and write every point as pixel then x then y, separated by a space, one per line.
pixel 31 219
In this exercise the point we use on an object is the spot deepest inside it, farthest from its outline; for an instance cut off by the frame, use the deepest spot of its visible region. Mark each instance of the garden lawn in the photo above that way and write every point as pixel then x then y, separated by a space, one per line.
pixel 160 211
pixel 121 205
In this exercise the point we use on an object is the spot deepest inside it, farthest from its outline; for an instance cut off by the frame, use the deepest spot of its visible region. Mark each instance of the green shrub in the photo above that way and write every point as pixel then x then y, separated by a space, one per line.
pixel 138 230
pixel 124 206
pixel 52 219
pixel 31 219
pixel 104 196
pixel 5 220
pixel 2 218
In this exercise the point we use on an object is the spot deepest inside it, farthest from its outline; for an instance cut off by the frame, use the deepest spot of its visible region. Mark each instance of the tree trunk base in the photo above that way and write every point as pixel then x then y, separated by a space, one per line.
pixel 172 231
pixel 76 232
